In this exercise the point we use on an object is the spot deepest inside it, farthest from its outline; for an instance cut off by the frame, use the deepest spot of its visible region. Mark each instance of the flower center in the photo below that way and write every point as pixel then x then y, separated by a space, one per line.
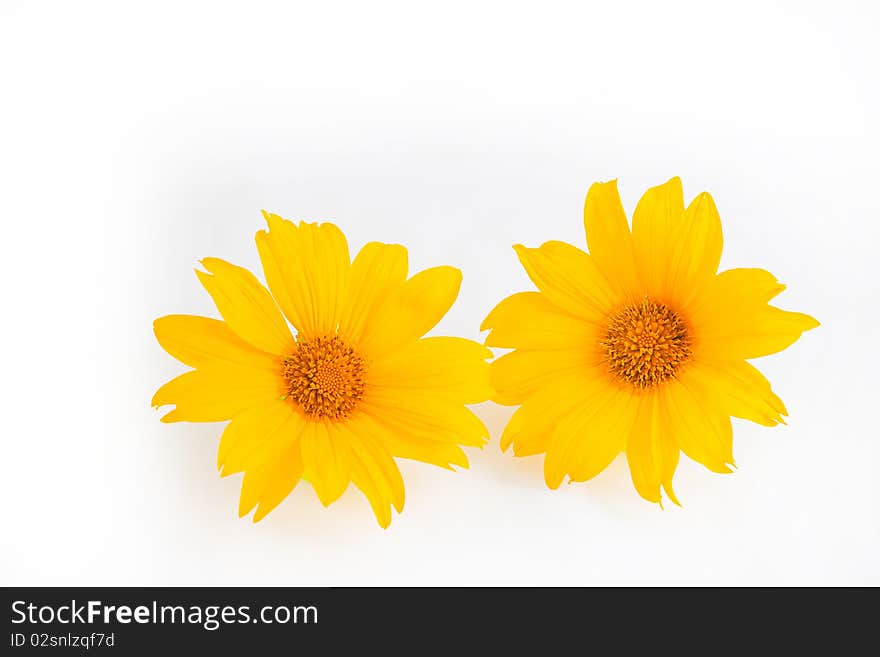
pixel 325 377
pixel 646 343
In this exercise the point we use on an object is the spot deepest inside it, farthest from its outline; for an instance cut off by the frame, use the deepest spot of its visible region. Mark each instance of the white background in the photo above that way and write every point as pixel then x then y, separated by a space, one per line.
pixel 135 141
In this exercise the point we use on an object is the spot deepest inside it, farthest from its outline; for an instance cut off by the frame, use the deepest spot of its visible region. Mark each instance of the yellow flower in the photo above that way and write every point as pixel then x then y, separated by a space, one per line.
pixel 638 346
pixel 355 387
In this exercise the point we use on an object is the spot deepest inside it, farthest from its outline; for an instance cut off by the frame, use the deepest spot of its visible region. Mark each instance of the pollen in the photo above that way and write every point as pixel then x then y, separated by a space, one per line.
pixel 325 377
pixel 646 343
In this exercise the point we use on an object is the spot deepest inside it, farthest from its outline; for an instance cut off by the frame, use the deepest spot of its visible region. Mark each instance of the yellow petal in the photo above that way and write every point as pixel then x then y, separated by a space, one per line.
pixel 373 470
pixel 425 414
pixel 209 344
pixel 601 437
pixel 410 311
pixel 772 330
pixel 247 307
pixel 732 319
pixel 569 278
pixel 408 439
pixel 280 478
pixel 609 238
pixel 532 426
pixel 651 451
pixel 326 460
pixel 453 368
pixel 656 216
pixel 253 429
pixel 274 468
pixel 425 450
pixel 740 389
pixel 588 439
pixel 518 374
pixel 420 429
pixel 307 268
pixel 203 396
pixel 514 428
pixel 528 320
pixel 702 431
pixel 737 289
pixel 376 271
pixel 695 251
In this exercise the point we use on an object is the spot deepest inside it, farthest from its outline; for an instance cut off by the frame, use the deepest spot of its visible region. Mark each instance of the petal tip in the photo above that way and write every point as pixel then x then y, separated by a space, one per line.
pixel 649 495
pixel 670 493
pixel 552 479
pixel 169 417
pixel 262 512
pixel 455 272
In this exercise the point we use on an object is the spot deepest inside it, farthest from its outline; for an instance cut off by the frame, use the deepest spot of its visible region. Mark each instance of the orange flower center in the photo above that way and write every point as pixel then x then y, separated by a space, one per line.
pixel 646 343
pixel 325 377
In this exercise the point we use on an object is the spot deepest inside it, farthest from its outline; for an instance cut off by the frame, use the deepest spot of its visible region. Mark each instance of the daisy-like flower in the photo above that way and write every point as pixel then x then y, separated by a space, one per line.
pixel 638 346
pixel 351 386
